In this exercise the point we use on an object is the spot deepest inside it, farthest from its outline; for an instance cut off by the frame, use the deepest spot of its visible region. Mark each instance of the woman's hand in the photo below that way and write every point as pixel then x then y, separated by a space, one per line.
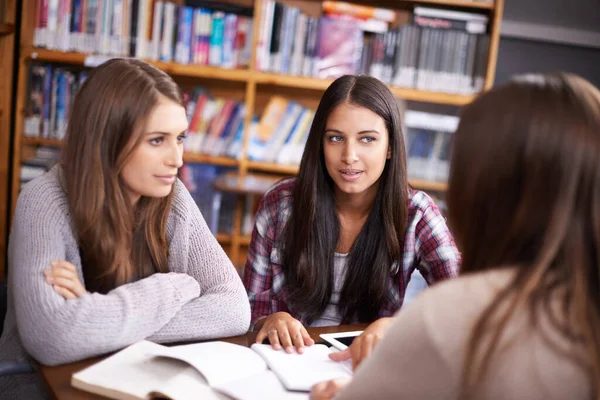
pixel 362 346
pixel 285 331
pixel 328 389
pixel 62 275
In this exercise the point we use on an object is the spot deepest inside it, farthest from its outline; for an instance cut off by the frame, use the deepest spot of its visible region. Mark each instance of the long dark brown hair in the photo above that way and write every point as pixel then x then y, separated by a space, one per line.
pixel 118 242
pixel 525 193
pixel 312 232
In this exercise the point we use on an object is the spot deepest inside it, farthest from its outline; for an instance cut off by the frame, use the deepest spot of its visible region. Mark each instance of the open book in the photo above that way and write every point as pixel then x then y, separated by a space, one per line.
pixel 212 370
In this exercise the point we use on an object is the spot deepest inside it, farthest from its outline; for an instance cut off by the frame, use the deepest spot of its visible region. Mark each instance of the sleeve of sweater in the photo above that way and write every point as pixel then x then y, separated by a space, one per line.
pixel 407 363
pixel 222 309
pixel 56 331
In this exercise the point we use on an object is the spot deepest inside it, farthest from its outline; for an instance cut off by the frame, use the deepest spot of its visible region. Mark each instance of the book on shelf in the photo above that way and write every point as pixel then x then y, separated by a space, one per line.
pixel 210 370
pixel 281 132
pixel 216 124
pixel 197 32
pixel 432 49
pixel 51 94
pixel 428 139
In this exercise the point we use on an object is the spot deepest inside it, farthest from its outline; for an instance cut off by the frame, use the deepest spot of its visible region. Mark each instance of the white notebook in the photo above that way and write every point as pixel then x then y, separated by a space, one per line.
pixel 209 371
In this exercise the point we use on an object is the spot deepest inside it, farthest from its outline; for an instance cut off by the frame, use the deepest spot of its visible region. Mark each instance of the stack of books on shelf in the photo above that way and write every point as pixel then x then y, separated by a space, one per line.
pixel 200 32
pixel 428 138
pixel 432 49
pixel 216 125
pixel 281 134
pixel 50 98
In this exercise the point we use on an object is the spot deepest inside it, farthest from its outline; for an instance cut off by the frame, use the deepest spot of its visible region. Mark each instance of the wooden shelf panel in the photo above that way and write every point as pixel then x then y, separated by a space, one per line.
pixel 274 168
pixel 226 239
pixel 206 159
pixel 42 142
pixel 198 71
pixel 187 157
pixel 201 71
pixel 482 5
pixel 490 5
pixel 322 84
pixel 428 185
pixel 6 29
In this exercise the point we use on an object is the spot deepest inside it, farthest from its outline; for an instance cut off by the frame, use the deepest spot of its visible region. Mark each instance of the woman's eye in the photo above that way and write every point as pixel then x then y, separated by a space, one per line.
pixel 181 138
pixel 368 139
pixel 156 141
pixel 335 138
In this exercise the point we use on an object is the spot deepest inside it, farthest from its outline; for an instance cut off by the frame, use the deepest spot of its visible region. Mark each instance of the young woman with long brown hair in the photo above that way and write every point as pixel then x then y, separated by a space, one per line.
pixel 339 243
pixel 108 247
pixel 523 320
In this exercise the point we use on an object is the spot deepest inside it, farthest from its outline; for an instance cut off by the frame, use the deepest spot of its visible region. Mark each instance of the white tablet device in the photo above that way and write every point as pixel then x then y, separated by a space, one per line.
pixel 340 340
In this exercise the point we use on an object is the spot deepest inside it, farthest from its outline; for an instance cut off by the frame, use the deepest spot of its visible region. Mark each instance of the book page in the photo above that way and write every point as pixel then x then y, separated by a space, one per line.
pixel 301 371
pixel 218 362
pixel 264 386
pixel 133 374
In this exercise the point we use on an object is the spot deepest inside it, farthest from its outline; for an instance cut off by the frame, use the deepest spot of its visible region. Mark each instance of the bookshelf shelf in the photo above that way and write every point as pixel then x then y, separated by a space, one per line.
pixel 200 71
pixel 187 157
pixel 428 185
pixel 197 71
pixel 481 5
pixel 6 29
pixel 274 168
pixel 223 238
pixel 42 142
pixel 226 239
pixel 206 159
pixel 322 84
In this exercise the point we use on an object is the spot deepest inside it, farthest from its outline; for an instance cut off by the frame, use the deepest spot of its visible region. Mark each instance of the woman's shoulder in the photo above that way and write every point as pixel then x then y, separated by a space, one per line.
pixel 43 197
pixel 182 203
pixel 419 201
pixel 282 190
pixel 279 197
pixel 479 287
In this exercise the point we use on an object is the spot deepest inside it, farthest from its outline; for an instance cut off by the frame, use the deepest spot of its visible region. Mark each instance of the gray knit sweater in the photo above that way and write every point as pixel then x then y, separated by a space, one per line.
pixel 201 297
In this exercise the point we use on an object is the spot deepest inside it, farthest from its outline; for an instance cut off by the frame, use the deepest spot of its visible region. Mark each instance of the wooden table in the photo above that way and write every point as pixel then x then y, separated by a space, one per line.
pixel 58 379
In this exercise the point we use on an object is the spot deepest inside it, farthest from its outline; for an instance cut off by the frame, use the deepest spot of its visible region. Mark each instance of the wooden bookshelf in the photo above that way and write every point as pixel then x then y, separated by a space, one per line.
pixel 7 29
pixel 466 4
pixel 249 85
pixel 7 46
pixel 198 71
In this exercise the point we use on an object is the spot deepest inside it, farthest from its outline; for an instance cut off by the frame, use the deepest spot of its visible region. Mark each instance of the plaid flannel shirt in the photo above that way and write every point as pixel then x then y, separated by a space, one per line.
pixel 428 246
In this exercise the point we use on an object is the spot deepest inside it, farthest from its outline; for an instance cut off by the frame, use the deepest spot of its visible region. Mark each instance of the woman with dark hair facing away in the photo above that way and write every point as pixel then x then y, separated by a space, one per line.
pixel 108 247
pixel 338 243
pixel 523 320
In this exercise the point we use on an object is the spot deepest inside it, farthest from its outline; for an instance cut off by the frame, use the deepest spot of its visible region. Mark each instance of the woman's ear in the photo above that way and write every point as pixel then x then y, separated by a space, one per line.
pixel 389 154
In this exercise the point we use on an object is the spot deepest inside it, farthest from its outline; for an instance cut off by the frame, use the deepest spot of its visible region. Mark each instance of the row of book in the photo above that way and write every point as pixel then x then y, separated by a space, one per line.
pixel 428 141
pixel 199 32
pixel 437 50
pixel 50 98
pixel 216 125
pixel 281 133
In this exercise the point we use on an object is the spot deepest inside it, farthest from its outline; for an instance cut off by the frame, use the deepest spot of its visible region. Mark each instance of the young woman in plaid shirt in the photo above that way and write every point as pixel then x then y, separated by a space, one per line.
pixel 523 320
pixel 339 243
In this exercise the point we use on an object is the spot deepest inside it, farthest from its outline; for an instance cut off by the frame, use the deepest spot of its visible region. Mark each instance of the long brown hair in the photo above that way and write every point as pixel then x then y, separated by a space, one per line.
pixel 117 242
pixel 525 193
pixel 312 232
